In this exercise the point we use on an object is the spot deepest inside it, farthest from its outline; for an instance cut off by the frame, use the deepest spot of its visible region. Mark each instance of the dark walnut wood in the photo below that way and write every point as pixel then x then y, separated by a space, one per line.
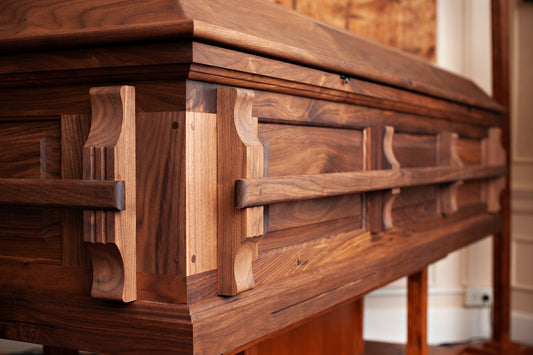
pixel 109 154
pixel 63 193
pixel 198 176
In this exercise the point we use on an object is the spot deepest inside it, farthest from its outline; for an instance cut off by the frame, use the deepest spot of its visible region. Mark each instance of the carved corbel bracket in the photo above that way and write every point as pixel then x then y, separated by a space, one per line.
pixel 390 195
pixel 448 156
pixel 494 154
pixel 109 154
pixel 240 155
pixel 379 156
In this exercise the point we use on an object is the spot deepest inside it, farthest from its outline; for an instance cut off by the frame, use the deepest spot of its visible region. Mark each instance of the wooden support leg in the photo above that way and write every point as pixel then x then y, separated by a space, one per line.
pixel 359 343
pixel 52 350
pixel 501 319
pixel 417 313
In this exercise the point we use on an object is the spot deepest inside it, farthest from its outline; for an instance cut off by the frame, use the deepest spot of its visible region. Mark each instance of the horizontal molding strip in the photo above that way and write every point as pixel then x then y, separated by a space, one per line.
pixel 89 194
pixel 264 191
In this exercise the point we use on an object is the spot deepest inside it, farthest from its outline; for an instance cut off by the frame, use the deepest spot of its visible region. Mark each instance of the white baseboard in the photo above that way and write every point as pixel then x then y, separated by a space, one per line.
pixel 445 325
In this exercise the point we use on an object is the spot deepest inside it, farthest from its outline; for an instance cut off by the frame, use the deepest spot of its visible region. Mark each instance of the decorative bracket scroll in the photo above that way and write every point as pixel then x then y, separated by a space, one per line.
pixel 390 195
pixel 379 156
pixel 494 154
pixel 239 156
pixel 448 156
pixel 109 154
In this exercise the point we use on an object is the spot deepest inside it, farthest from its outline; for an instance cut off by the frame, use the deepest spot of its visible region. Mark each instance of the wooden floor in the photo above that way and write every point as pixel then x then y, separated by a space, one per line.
pixel 378 348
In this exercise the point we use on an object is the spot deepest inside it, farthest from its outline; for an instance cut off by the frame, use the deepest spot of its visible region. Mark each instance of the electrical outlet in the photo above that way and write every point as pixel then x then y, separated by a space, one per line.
pixel 478 297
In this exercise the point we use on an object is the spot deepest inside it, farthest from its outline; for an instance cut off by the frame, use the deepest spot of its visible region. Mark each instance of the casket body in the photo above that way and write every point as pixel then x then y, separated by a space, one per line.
pixel 191 176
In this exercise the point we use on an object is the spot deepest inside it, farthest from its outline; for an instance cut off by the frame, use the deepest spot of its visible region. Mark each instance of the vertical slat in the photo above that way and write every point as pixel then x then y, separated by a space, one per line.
pixel 374 160
pixel 109 154
pixel 501 316
pixel 359 342
pixel 417 313
pixel 494 154
pixel 199 176
pixel 379 155
pixel 239 155
pixel 159 202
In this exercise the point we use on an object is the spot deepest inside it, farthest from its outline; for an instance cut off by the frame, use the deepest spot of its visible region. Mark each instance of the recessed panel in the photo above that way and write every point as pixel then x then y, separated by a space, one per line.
pixel 414 150
pixel 307 150
pixel 470 192
pixel 303 150
pixel 30 150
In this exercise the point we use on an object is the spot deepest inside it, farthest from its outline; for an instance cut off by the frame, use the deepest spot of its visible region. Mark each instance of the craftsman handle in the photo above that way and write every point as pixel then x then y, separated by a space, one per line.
pixel 89 194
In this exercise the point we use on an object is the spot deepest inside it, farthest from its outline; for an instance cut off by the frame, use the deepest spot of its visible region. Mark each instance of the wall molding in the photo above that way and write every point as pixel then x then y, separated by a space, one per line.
pixel 445 325
pixel 522 327
pixel 515 284
pixel 521 160
pixel 402 292
pixel 522 199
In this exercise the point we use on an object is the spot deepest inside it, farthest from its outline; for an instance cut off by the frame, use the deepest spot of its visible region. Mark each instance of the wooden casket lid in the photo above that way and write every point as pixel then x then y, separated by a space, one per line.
pixel 254 26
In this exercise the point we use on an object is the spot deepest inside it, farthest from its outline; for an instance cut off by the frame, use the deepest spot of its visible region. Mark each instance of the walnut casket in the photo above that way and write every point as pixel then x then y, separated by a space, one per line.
pixel 189 176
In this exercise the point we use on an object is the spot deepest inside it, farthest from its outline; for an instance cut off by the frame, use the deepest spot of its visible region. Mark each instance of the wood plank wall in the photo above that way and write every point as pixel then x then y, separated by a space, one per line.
pixel 409 25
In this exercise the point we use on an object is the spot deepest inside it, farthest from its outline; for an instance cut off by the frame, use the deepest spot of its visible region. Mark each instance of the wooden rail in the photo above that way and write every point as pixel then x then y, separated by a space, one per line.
pixel 264 191
pixel 91 194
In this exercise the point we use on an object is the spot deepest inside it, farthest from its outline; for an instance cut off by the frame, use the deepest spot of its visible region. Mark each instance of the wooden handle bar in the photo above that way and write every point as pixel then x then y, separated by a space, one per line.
pixel 92 194
pixel 264 191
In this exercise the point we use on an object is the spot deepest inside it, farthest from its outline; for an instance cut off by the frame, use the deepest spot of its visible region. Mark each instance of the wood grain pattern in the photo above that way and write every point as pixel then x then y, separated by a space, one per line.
pixel 338 331
pixel 414 204
pixel 159 249
pixel 297 150
pixel 272 107
pixel 29 150
pixel 199 178
pixel 52 25
pixel 415 151
pixel 109 154
pixel 176 211
pixel 74 133
pixel 239 154
pixel 26 235
pixel 470 192
pixel 332 43
pixel 135 331
pixel 296 214
pixel 108 195
pixel 219 319
pixel 263 191
pixel 417 304
pixel 295 80
pixel 221 331
pixel 374 160
pixel 192 243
